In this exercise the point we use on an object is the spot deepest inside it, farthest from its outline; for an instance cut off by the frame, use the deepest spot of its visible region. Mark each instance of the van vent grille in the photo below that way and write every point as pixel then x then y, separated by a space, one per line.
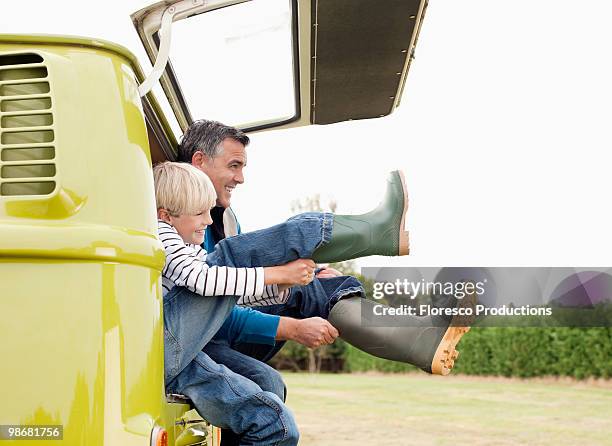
pixel 27 133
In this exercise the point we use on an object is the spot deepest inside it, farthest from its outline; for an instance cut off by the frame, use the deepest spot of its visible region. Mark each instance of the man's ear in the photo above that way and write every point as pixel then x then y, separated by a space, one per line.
pixel 163 215
pixel 199 159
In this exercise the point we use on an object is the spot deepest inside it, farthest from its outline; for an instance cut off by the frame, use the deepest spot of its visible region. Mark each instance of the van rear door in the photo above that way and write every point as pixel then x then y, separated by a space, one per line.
pixel 264 64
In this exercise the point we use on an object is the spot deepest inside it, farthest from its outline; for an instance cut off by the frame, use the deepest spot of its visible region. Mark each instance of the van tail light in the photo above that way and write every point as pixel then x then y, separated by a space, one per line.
pixel 159 437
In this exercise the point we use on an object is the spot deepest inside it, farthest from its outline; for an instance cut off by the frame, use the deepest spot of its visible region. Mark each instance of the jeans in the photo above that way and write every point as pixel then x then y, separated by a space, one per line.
pixel 297 238
pixel 227 389
pixel 315 299
pixel 260 373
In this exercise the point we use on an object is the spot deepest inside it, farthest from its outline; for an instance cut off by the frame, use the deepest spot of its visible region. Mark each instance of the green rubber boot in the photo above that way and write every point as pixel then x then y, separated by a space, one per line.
pixel 379 232
pixel 428 342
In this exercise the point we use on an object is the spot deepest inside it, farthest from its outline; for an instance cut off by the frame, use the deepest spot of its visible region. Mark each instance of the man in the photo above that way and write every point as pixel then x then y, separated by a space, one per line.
pixel 240 325
pixel 219 151
pixel 429 343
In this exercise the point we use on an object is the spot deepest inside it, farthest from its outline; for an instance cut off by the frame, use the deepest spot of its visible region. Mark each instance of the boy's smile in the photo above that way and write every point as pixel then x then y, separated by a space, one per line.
pixel 191 228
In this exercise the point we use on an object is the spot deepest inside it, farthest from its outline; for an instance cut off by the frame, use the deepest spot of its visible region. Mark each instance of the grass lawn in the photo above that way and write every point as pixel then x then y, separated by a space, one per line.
pixel 418 409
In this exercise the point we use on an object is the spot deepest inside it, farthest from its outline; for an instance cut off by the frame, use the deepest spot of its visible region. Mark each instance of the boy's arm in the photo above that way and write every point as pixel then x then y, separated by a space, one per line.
pixel 186 266
pixel 271 296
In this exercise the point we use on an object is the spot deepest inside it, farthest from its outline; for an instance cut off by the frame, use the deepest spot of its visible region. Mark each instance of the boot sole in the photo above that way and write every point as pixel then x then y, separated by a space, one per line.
pixel 444 359
pixel 446 354
pixel 404 242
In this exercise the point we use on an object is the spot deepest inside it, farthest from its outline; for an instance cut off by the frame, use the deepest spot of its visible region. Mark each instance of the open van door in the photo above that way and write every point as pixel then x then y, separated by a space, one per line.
pixel 306 62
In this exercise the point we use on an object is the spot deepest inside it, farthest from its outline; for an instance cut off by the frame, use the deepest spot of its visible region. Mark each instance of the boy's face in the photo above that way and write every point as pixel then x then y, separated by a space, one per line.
pixel 191 227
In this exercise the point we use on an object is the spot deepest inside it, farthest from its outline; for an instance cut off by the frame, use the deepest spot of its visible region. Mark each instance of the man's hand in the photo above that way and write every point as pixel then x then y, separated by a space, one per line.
pixel 312 332
pixel 297 272
pixel 315 332
pixel 327 272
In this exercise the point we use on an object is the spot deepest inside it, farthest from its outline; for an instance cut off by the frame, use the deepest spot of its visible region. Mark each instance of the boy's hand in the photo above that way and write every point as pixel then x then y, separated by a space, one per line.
pixel 297 272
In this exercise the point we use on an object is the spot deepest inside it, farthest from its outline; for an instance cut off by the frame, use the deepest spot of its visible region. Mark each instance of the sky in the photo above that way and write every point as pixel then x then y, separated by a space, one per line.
pixel 503 133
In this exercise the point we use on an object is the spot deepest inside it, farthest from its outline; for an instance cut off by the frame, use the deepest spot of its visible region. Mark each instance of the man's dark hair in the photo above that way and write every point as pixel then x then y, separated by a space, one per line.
pixel 206 136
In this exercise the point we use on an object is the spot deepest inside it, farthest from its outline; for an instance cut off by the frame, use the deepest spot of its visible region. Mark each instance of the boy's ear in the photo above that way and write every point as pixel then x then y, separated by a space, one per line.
pixel 163 215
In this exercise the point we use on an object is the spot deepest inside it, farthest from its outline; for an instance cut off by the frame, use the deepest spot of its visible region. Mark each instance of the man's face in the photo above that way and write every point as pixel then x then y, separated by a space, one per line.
pixel 225 170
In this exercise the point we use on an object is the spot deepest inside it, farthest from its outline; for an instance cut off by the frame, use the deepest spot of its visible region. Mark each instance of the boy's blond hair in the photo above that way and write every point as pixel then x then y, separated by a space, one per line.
pixel 182 189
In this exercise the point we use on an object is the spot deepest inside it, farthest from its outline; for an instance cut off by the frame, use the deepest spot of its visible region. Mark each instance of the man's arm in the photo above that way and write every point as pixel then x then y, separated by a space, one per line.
pixel 312 332
pixel 247 325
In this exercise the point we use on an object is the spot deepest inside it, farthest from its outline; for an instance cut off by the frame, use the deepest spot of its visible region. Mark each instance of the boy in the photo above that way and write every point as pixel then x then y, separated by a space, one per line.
pixel 257 268
pixel 253 408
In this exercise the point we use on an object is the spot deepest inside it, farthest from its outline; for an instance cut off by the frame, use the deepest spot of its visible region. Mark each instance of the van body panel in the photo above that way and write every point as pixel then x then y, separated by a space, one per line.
pixel 80 262
pixel 85 349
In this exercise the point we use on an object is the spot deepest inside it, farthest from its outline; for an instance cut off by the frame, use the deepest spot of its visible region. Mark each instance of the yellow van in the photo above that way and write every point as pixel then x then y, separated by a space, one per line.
pixel 80 261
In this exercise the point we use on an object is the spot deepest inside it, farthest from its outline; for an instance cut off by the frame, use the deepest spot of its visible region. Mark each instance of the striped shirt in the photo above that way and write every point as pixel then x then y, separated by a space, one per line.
pixel 186 266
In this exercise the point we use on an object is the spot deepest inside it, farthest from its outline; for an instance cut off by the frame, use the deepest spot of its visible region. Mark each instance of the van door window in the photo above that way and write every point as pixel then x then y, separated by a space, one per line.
pixel 238 64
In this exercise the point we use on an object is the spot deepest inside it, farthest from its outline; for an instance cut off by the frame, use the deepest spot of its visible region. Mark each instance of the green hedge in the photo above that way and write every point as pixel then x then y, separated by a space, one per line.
pixel 518 351
pixel 358 361
pixel 532 351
